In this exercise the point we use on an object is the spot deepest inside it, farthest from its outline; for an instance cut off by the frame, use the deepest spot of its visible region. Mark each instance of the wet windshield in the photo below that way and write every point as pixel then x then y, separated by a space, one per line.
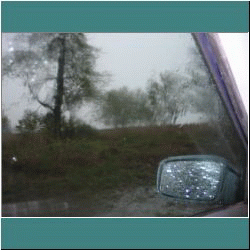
pixel 87 118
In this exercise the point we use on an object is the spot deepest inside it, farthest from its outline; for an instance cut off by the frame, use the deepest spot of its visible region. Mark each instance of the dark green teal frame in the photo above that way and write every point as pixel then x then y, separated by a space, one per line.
pixel 156 233
pixel 132 16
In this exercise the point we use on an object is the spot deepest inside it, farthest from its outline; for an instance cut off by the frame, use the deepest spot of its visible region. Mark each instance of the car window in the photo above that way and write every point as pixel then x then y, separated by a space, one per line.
pixel 87 118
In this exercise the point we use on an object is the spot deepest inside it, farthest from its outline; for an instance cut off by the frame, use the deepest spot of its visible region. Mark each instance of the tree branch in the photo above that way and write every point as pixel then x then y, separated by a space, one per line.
pixel 44 104
pixel 39 101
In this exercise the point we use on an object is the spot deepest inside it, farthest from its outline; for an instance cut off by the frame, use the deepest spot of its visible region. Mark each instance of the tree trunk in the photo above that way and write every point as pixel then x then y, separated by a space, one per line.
pixel 59 94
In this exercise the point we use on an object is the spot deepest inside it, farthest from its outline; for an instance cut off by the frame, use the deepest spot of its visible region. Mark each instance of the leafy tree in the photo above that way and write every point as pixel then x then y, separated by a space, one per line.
pixel 30 122
pixel 117 108
pixel 123 107
pixel 5 123
pixel 47 122
pixel 206 99
pixel 166 97
pixel 58 69
pixel 175 93
pixel 144 114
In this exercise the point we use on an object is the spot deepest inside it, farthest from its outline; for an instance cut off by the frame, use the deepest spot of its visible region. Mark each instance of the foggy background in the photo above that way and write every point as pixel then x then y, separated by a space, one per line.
pixel 130 58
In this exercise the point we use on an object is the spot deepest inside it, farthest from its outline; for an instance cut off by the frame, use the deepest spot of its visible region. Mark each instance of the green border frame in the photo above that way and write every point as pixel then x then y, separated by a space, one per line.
pixel 112 233
pixel 156 233
pixel 125 16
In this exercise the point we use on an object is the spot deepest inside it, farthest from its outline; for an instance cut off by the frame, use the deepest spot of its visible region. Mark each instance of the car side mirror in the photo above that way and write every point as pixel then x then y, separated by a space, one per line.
pixel 198 177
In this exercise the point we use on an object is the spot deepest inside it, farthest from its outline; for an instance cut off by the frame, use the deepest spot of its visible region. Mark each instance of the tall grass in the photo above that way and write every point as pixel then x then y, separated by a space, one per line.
pixel 107 160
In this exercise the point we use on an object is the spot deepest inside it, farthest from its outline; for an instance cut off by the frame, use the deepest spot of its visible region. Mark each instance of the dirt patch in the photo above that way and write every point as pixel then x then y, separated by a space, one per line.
pixel 147 202
pixel 143 201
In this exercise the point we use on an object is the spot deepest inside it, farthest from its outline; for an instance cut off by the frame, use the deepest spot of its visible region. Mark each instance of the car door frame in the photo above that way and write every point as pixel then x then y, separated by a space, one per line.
pixel 218 64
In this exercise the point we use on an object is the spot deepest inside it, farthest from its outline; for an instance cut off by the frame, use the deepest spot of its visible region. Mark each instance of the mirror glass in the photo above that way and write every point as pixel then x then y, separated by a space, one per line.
pixel 197 180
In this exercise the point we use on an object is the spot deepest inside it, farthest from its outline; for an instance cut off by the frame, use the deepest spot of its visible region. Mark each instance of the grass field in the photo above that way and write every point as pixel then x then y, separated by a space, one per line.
pixel 110 159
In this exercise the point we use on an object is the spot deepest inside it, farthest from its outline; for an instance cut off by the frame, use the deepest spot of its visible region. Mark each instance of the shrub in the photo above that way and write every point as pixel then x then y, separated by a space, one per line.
pixel 77 128
pixel 30 122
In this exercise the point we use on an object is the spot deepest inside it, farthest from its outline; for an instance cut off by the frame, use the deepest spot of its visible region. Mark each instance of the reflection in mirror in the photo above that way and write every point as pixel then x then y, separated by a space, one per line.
pixel 198 180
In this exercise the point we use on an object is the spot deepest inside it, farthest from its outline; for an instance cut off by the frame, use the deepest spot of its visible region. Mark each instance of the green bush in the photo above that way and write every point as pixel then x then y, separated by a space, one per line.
pixel 77 129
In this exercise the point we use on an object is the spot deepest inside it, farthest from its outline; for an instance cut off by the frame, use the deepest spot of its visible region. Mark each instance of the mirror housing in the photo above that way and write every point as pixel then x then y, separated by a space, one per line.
pixel 203 178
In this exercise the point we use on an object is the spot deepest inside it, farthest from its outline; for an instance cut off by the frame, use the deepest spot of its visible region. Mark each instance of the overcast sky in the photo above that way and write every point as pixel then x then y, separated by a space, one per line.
pixel 236 46
pixel 131 58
